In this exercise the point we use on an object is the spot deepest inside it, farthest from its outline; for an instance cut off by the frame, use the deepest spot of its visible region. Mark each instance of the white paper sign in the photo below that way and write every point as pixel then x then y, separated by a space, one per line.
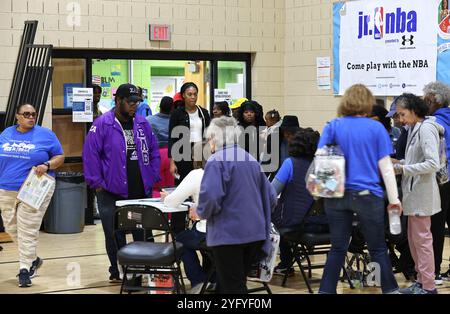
pixel 388 45
pixel 82 105
pixel 35 189
pixel 324 73
pixel 222 95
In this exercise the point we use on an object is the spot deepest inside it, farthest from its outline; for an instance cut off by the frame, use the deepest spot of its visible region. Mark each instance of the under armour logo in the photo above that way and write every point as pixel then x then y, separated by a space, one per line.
pixel 93 129
pixel 407 40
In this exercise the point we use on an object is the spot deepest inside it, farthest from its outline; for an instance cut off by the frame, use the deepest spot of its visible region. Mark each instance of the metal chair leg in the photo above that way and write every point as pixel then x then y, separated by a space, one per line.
pixel 305 278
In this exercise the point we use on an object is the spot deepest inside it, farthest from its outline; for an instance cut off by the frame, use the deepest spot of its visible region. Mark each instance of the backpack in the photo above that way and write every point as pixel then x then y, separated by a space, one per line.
pixel 442 174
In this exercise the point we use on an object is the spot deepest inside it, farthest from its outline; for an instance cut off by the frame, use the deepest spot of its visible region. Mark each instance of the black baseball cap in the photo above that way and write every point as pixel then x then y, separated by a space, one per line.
pixel 128 91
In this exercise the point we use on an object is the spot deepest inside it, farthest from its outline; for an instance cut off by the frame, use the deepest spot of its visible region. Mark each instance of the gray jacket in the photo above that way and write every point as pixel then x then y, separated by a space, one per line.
pixel 420 188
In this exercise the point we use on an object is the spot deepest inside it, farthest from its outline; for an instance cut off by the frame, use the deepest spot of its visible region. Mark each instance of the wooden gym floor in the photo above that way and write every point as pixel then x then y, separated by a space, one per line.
pixel 66 255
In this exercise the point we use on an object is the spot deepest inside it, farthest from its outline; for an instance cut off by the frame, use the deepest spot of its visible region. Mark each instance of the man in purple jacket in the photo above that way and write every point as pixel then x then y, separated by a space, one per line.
pixel 121 161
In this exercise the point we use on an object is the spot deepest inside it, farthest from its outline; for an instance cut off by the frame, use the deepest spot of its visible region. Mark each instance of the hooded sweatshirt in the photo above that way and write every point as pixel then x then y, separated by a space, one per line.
pixel 443 118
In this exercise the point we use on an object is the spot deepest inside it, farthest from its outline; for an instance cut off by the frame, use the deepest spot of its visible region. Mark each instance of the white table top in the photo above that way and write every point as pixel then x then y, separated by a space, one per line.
pixel 154 202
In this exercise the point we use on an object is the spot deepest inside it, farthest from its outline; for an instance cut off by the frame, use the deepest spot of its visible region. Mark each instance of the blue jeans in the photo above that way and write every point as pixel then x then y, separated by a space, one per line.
pixel 191 240
pixel 106 209
pixel 371 212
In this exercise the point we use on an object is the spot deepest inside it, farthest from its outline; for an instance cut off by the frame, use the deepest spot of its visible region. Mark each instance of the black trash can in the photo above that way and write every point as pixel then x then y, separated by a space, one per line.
pixel 65 214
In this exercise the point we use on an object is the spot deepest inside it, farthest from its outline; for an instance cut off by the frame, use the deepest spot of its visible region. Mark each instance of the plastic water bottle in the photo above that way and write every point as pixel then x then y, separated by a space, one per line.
pixel 394 222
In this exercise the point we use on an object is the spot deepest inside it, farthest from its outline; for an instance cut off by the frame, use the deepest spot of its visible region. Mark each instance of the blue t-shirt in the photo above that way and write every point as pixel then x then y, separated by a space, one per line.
pixel 19 152
pixel 286 172
pixel 364 143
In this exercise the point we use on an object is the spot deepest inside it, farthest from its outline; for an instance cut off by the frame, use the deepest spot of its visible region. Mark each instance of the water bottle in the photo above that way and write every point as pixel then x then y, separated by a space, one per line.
pixel 394 222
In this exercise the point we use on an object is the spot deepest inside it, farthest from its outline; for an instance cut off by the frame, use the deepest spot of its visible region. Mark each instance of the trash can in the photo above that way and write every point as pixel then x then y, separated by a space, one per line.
pixel 65 214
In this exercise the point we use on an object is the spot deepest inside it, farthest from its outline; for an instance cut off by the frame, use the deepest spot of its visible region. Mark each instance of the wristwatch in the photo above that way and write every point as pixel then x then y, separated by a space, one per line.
pixel 47 164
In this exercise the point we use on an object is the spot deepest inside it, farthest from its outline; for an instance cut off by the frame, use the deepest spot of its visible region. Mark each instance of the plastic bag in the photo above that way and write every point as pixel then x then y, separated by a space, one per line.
pixel 442 174
pixel 263 269
pixel 326 175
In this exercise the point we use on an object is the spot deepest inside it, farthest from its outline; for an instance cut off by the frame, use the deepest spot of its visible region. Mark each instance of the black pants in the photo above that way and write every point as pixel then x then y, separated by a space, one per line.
pixel 438 226
pixel 233 262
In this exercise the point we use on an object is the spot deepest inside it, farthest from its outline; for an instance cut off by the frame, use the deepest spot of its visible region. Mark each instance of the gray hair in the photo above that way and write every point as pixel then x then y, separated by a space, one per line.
pixel 223 131
pixel 440 91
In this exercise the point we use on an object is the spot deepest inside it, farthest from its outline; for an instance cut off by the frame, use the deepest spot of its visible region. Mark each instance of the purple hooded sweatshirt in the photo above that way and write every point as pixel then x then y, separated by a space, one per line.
pixel 105 155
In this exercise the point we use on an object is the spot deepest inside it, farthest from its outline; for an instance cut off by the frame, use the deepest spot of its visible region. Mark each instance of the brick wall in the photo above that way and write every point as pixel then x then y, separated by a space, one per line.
pixel 285 36
pixel 309 33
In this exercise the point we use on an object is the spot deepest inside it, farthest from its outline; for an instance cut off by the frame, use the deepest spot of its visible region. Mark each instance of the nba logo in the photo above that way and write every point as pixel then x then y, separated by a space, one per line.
pixel 379 23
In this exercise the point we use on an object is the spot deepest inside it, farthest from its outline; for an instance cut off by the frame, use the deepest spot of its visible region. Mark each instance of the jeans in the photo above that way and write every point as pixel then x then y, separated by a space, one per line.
pixel 107 208
pixel 438 226
pixel 371 212
pixel 191 240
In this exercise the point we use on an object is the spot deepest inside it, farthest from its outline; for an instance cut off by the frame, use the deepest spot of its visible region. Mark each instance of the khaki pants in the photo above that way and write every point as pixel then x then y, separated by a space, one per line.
pixel 22 223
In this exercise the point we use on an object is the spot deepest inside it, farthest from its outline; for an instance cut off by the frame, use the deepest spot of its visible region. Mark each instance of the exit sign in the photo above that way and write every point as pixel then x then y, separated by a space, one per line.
pixel 160 32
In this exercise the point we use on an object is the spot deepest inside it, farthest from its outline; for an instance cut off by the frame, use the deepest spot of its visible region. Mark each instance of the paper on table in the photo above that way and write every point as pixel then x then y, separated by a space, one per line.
pixel 35 189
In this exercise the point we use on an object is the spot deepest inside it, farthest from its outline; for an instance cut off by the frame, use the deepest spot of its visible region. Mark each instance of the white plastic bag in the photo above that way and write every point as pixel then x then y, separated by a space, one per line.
pixel 263 270
pixel 326 175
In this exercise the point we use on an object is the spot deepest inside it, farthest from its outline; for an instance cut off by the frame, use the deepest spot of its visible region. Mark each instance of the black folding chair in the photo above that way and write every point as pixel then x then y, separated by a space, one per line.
pixel 149 257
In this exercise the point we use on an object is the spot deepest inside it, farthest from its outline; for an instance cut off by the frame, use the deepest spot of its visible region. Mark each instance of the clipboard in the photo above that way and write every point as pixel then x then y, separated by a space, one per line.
pixel 34 190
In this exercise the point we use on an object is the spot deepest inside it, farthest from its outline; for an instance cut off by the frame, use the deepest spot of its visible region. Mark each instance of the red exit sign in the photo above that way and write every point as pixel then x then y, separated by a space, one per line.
pixel 160 32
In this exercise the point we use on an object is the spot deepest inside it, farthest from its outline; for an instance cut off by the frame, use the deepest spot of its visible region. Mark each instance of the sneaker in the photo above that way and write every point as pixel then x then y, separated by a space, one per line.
pixel 196 289
pixel 24 278
pixel 416 288
pixel 281 271
pixel 423 291
pixel 446 276
pixel 115 278
pixel 35 266
pixel 212 286
pixel 438 280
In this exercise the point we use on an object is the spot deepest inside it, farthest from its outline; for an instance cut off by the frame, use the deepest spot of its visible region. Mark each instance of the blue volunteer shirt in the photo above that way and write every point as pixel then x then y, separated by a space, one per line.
pixel 19 152
pixel 286 172
pixel 364 143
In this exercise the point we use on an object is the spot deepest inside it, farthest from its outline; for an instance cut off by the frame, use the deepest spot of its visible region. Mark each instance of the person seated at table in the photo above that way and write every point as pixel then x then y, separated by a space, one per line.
pixel 191 239
pixel 295 200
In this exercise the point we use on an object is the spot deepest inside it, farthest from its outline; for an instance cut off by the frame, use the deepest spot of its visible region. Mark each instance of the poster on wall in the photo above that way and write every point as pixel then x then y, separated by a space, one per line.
pixel 68 93
pixel 388 45
pixel 163 86
pixel 82 105
pixel 324 73
pixel 443 22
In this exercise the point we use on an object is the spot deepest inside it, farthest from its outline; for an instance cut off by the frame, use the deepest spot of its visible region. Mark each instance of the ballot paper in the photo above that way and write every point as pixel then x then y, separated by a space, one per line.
pixel 35 189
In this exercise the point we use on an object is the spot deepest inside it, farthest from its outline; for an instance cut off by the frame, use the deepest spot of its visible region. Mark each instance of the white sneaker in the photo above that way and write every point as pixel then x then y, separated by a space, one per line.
pixel 196 289
pixel 438 280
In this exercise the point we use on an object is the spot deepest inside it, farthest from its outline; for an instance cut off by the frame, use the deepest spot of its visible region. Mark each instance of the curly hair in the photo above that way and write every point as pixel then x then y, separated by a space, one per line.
pixel 304 143
pixel 440 91
pixel 413 103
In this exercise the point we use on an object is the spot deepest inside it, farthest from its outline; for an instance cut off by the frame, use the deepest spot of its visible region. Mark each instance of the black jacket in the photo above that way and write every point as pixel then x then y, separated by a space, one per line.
pixel 180 117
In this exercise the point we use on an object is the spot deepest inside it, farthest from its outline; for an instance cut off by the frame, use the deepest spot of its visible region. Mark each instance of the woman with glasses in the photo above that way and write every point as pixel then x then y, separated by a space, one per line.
pixel 22 147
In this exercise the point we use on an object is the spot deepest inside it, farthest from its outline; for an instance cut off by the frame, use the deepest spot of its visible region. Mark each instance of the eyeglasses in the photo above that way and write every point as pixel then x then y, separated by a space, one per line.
pixel 28 115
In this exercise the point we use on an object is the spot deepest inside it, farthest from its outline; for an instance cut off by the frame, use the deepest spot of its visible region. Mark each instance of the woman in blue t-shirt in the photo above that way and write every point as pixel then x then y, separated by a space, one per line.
pixel 367 148
pixel 22 147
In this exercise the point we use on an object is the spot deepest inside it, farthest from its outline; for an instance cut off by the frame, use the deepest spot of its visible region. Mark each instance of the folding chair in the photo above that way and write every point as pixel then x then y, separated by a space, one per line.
pixel 148 257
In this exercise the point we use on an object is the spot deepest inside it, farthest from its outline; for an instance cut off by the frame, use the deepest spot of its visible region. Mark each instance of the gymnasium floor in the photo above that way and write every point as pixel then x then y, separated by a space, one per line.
pixel 66 255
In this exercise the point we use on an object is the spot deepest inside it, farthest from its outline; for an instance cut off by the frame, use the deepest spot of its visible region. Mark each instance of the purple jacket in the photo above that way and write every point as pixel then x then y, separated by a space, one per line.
pixel 105 154
pixel 236 198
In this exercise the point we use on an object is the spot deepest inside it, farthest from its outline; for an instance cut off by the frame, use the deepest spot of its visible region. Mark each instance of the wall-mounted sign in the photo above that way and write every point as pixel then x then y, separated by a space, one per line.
pixel 160 32
pixel 82 105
